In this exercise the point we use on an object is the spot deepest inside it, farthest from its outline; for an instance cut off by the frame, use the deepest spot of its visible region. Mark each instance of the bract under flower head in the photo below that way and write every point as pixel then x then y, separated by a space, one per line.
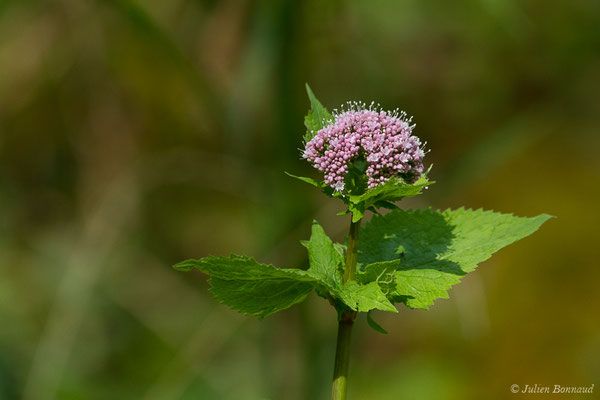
pixel 382 139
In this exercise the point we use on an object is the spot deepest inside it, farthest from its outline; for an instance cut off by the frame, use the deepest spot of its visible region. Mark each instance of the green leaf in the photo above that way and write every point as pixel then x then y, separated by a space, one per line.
pixel 363 298
pixel 250 287
pixel 437 248
pixel 374 325
pixel 326 266
pixel 325 258
pixel 394 189
pixel 317 116
pixel 341 249
pixel 381 272
pixel 357 210
pixel 385 204
pixel 310 181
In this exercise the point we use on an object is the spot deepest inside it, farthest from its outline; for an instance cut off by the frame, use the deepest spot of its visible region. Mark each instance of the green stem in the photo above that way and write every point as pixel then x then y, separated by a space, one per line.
pixel 342 356
pixel 352 252
pixel 347 317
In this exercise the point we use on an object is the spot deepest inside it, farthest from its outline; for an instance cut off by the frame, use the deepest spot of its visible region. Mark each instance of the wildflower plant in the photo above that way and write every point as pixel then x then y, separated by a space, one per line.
pixel 369 159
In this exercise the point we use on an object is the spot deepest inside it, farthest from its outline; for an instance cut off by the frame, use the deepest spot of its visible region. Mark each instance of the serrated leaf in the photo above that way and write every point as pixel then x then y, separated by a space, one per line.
pixel 250 287
pixel 437 248
pixel 374 325
pixel 325 258
pixel 317 116
pixel 363 298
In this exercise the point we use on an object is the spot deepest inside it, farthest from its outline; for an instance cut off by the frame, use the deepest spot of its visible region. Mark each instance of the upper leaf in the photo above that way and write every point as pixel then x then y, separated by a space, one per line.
pixel 310 181
pixel 395 189
pixel 436 248
pixel 317 116
pixel 250 287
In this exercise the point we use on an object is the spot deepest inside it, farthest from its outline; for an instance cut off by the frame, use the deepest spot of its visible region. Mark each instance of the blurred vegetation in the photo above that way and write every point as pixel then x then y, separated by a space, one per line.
pixel 137 133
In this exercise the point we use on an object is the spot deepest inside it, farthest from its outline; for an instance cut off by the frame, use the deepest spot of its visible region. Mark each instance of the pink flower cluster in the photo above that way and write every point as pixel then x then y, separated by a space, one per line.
pixel 383 139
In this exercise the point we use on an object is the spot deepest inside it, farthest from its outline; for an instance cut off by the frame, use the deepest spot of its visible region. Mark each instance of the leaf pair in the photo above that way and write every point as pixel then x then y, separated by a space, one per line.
pixel 410 257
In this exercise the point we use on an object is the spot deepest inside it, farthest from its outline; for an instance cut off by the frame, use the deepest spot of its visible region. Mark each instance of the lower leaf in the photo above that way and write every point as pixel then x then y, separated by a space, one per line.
pixel 250 287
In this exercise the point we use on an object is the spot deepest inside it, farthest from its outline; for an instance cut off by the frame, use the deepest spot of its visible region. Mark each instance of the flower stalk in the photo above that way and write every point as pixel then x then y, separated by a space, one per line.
pixel 346 322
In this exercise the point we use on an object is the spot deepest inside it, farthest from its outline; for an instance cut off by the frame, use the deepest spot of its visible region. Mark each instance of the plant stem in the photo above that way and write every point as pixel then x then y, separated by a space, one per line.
pixel 347 317
pixel 352 252
pixel 342 356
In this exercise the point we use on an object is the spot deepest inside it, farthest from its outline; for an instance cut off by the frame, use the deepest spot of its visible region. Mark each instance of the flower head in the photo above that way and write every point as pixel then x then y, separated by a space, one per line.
pixel 382 139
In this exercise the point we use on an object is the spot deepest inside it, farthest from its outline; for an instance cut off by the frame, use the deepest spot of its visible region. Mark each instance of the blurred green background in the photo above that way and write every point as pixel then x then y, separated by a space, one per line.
pixel 135 134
